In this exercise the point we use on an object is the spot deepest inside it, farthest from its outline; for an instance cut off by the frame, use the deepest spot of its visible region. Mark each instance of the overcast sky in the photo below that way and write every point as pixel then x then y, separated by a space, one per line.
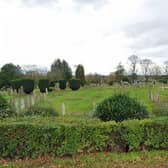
pixel 96 33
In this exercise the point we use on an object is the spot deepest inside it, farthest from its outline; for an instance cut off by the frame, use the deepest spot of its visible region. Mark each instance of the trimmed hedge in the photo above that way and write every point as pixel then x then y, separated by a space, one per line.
pixel 43 84
pixel 5 109
pixel 62 84
pixel 28 85
pixel 37 138
pixel 74 84
pixel 16 84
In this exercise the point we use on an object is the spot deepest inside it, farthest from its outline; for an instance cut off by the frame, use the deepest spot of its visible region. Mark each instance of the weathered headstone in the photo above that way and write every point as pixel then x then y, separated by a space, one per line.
pixel 63 109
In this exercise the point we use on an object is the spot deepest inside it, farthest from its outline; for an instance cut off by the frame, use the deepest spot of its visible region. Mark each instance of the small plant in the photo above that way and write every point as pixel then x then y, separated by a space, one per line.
pixel 5 110
pixel 28 86
pixel 42 111
pixel 74 84
pixel 62 84
pixel 120 107
pixel 43 85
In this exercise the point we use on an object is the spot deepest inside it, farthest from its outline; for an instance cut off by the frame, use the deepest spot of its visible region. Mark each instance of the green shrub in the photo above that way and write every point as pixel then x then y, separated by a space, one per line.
pixel 50 89
pixel 164 81
pixel 5 110
pixel 52 84
pixel 111 83
pixel 43 84
pixel 16 84
pixel 62 84
pixel 28 85
pixel 74 84
pixel 120 107
pixel 33 137
pixel 42 111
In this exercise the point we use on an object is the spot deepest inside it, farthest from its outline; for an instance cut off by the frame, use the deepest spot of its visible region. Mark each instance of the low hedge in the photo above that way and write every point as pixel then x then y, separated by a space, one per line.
pixel 28 85
pixel 74 84
pixel 62 84
pixel 43 84
pixel 16 84
pixel 32 139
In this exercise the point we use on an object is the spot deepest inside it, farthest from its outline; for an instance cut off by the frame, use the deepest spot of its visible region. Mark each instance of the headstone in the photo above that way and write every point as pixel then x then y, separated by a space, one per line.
pixel 16 104
pixel 22 104
pixel 32 100
pixel 63 109
pixel 46 91
pixel 11 91
pixel 28 102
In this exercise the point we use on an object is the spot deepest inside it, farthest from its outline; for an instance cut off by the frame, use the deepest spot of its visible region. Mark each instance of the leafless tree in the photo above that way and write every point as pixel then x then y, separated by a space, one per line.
pixel 155 70
pixel 166 67
pixel 146 65
pixel 133 60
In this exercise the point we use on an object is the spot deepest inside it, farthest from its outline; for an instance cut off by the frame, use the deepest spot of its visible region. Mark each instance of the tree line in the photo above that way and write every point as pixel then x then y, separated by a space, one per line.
pixel 60 70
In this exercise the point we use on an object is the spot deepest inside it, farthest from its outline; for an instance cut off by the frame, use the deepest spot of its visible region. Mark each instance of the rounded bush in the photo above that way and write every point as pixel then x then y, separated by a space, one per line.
pixel 74 84
pixel 5 110
pixel 28 86
pixel 16 84
pixel 120 107
pixel 43 84
pixel 62 84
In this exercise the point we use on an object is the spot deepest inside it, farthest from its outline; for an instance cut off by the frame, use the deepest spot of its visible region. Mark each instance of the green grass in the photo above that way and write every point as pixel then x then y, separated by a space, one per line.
pixel 82 102
pixel 153 159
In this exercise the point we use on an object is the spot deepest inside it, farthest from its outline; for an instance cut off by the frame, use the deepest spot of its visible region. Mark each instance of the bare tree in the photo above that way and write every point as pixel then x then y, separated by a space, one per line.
pixel 155 70
pixel 133 60
pixel 145 65
pixel 34 71
pixel 166 67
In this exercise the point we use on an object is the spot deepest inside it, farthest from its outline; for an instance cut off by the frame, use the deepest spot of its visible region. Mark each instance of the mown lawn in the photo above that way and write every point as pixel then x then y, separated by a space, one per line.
pixel 83 101
pixel 153 159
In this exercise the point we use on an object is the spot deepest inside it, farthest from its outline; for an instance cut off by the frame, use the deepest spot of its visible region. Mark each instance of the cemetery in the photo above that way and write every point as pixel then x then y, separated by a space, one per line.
pixel 62 122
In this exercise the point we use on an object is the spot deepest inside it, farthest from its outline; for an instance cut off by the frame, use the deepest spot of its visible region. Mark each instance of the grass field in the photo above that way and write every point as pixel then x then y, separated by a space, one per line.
pixel 82 102
pixel 153 159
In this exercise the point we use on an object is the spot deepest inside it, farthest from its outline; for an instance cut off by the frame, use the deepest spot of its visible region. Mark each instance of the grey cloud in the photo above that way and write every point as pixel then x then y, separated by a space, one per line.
pixel 156 56
pixel 95 3
pixel 32 3
pixel 149 37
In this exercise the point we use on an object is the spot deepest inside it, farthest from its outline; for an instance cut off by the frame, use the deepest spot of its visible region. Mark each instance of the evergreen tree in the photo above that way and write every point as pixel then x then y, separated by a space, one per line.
pixel 120 72
pixel 8 73
pixel 60 70
pixel 80 74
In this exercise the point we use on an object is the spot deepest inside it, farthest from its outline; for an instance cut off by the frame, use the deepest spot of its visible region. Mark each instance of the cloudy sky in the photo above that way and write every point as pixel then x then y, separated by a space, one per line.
pixel 96 33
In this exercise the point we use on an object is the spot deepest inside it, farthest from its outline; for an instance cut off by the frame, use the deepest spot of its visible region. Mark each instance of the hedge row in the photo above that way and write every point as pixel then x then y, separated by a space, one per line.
pixel 31 140
pixel 43 84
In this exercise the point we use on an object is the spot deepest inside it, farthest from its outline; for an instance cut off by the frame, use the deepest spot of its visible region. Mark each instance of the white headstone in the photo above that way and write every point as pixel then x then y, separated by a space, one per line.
pixel 22 104
pixel 32 100
pixel 46 91
pixel 63 109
